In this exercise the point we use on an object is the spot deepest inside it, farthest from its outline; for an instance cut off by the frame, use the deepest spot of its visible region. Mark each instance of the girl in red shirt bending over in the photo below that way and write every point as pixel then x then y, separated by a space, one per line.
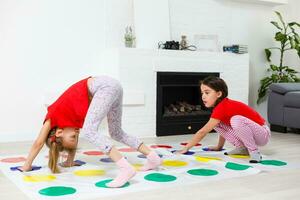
pixel 83 106
pixel 234 121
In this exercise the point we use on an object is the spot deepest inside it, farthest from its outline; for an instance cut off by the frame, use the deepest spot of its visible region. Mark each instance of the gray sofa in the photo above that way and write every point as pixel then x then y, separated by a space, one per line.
pixel 284 106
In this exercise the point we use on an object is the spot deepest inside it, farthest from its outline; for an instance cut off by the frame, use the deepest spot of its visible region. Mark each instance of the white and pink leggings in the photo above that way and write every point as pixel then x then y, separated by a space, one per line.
pixel 244 132
pixel 107 96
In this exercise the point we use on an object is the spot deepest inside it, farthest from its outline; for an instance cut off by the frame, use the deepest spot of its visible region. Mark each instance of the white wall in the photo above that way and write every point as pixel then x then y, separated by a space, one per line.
pixel 44 47
pixel 119 14
pixel 292 14
pixel 47 45
pixel 151 22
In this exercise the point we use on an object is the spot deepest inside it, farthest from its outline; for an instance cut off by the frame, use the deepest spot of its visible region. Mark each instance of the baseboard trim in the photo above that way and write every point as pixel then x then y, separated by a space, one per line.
pixel 278 128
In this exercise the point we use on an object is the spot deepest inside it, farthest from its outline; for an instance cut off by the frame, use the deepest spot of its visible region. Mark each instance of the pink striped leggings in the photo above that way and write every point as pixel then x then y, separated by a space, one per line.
pixel 244 132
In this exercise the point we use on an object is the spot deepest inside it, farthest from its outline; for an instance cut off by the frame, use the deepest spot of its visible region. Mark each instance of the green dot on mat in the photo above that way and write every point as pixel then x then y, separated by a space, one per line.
pixel 57 191
pixel 203 172
pixel 103 183
pixel 235 166
pixel 158 177
pixel 273 162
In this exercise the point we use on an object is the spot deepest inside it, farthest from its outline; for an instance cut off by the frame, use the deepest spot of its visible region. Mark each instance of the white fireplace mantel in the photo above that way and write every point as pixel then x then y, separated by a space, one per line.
pixel 266 2
pixel 137 69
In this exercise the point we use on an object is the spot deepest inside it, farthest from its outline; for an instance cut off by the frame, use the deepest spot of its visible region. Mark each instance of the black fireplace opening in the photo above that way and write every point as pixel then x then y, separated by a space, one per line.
pixel 179 107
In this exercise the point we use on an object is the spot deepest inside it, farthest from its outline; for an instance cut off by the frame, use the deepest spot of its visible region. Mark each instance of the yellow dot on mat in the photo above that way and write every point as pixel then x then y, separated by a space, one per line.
pixel 39 178
pixel 174 163
pixel 206 159
pixel 137 166
pixel 240 156
pixel 89 172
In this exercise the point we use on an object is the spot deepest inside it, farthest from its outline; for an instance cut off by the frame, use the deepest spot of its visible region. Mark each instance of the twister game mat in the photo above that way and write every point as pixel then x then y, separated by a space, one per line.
pixel 89 179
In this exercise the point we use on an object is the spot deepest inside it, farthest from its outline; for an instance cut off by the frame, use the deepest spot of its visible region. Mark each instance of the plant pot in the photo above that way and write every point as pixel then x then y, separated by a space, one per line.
pixel 129 43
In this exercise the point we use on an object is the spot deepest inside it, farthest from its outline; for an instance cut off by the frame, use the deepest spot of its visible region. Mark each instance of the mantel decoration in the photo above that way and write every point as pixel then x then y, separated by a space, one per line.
pixel 129 37
pixel 288 39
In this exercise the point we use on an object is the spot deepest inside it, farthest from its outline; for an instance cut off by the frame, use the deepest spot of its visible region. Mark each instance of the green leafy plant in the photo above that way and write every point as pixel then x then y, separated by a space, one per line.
pixel 129 37
pixel 289 39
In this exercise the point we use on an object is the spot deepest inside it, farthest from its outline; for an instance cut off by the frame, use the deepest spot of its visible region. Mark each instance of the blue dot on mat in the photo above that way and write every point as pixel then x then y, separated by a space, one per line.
pixel 33 168
pixel 208 149
pixel 80 162
pixel 186 153
pixel 106 160
pixel 143 156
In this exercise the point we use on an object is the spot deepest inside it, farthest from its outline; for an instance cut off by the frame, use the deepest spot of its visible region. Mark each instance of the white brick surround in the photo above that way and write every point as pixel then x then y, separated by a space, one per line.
pixel 137 68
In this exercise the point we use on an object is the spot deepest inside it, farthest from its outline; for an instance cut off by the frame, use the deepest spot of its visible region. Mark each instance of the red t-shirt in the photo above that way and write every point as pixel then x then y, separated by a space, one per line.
pixel 70 109
pixel 228 108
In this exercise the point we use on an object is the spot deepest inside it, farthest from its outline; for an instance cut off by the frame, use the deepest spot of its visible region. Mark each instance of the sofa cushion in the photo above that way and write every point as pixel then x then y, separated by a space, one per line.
pixel 291 117
pixel 283 88
pixel 292 99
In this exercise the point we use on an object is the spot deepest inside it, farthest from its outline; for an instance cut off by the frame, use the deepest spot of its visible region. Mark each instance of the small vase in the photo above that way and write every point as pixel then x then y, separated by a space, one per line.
pixel 129 43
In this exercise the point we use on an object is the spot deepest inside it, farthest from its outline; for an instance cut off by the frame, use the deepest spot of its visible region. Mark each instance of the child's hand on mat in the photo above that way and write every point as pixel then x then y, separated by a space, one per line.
pixel 25 168
pixel 72 164
pixel 182 151
pixel 212 148
pixel 69 164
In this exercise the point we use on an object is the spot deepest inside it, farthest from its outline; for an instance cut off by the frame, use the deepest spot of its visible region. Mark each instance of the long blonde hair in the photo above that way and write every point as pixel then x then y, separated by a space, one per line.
pixel 55 145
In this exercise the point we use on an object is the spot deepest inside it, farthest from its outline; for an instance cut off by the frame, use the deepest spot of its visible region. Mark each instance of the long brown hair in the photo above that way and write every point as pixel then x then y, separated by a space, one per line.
pixel 55 145
pixel 218 85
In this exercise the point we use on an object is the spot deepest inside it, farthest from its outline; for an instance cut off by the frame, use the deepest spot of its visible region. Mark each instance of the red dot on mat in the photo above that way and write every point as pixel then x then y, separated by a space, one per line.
pixel 93 153
pixel 185 143
pixel 161 146
pixel 127 150
pixel 13 160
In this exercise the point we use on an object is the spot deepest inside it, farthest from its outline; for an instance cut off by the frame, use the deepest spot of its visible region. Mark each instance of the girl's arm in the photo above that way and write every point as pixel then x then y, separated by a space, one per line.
pixel 221 142
pixel 210 125
pixel 219 146
pixel 70 160
pixel 37 146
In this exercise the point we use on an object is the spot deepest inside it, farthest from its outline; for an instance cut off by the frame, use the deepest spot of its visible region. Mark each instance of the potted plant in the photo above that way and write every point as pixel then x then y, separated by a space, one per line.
pixel 129 37
pixel 288 39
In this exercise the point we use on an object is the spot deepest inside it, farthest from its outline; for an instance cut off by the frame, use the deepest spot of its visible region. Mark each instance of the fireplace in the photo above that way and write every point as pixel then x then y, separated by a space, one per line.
pixel 179 108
